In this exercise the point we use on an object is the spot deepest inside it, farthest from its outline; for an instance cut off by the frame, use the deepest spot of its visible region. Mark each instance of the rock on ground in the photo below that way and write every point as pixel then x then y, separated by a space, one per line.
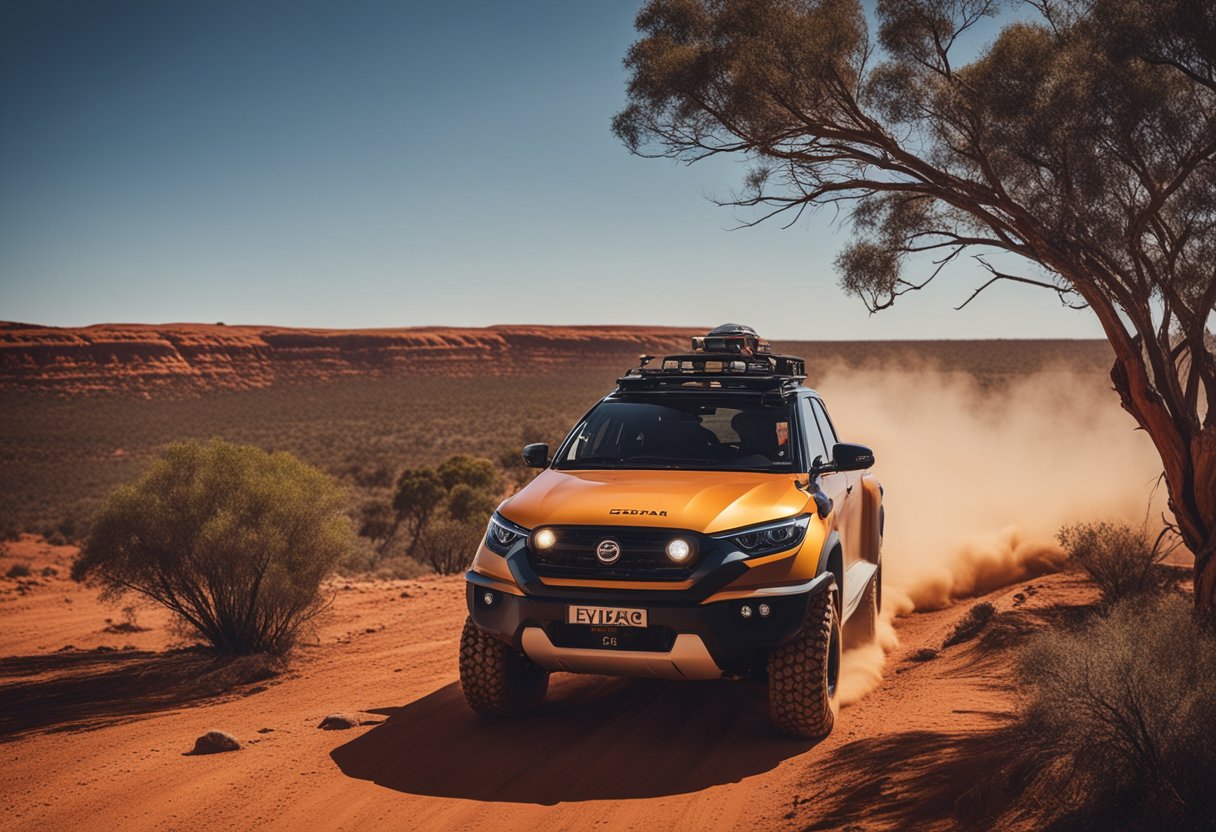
pixel 339 722
pixel 214 742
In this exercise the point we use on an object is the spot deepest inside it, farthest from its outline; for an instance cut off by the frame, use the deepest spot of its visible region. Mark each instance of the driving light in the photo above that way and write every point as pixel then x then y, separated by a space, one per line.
pixel 544 539
pixel 764 610
pixel 488 599
pixel 679 550
pixel 745 611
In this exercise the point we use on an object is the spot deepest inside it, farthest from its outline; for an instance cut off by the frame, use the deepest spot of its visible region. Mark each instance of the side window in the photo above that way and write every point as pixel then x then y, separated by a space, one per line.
pixel 825 425
pixel 814 440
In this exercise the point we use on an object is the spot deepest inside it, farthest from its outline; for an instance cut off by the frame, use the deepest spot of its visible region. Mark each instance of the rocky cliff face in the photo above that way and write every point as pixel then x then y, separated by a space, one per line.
pixel 147 357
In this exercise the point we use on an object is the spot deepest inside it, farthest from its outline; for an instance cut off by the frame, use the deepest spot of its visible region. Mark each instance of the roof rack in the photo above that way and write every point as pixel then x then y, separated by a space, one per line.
pixel 731 356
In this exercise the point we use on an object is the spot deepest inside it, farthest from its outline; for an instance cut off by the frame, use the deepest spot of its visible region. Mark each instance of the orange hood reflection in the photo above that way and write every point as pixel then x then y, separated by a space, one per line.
pixel 703 501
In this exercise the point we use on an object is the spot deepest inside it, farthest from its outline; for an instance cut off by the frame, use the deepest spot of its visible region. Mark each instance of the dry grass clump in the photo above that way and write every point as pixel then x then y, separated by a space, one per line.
pixel 971 624
pixel 18 570
pixel 1121 724
pixel 1123 561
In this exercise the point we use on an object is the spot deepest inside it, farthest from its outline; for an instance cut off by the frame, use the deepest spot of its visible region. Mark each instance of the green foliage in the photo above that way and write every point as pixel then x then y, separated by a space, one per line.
pixel 459 494
pixel 1124 562
pixel 232 539
pixel 467 504
pixel 474 472
pixel 1121 727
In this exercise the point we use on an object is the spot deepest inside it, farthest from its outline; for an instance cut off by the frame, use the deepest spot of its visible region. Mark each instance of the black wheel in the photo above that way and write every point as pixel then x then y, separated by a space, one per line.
pixel 802 674
pixel 497 679
pixel 862 626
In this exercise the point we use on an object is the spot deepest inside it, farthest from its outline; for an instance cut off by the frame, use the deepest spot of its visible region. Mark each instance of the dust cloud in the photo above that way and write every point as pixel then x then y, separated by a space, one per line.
pixel 979 479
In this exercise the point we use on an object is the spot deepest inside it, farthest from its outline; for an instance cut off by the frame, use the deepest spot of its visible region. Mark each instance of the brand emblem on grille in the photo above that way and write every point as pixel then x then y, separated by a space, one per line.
pixel 608 551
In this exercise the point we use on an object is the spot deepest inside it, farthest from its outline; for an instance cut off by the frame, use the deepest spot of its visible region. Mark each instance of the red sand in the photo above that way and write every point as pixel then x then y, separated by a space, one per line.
pixel 624 754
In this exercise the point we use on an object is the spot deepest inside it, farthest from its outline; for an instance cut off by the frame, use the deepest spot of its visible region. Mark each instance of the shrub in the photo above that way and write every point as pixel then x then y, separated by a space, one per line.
pixel 364 560
pixel 468 505
pixel 235 541
pixel 18 570
pixel 971 624
pixel 475 472
pixel 1123 715
pixel 377 522
pixel 1121 560
pixel 462 489
pixel 449 545
pixel 418 496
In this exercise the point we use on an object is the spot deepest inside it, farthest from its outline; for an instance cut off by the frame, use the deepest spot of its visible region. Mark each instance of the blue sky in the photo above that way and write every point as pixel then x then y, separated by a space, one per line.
pixel 357 164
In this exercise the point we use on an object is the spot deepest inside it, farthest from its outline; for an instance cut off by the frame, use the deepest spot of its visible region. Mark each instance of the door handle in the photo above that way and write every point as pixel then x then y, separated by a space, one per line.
pixel 849 490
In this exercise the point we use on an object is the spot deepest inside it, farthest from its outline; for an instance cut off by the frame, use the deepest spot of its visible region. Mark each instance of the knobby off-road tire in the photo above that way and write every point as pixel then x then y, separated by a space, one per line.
pixel 497 679
pixel 802 674
pixel 862 626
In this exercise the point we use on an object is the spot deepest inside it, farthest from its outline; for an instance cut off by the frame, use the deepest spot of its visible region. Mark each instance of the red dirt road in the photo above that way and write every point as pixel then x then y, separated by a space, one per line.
pixel 97 739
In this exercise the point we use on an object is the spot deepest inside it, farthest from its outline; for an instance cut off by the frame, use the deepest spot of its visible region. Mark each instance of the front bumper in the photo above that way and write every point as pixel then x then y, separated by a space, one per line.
pixel 682 640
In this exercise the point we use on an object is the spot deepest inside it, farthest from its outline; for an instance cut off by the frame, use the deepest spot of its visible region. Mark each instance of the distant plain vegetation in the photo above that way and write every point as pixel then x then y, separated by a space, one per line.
pixel 59 456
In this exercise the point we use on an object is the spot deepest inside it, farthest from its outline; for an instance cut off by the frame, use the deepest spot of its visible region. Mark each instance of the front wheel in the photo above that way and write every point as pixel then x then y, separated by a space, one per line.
pixel 802 674
pixel 497 679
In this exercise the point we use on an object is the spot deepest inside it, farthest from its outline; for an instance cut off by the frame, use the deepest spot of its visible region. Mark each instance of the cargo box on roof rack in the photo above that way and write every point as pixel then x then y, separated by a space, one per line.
pixel 730 356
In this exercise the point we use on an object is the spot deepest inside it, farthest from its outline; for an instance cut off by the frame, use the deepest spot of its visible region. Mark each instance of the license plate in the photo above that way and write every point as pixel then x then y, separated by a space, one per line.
pixel 606 616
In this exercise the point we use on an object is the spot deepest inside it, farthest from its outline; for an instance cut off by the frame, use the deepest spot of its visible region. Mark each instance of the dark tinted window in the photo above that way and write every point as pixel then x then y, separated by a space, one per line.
pixel 683 433
pixel 814 438
pixel 825 426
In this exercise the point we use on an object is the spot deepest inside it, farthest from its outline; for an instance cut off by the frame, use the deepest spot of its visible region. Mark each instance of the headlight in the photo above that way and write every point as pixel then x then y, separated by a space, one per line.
pixel 502 534
pixel 770 537
pixel 678 550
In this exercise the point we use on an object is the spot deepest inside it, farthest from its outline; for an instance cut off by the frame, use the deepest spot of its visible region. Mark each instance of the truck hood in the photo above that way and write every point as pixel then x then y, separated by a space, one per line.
pixel 701 501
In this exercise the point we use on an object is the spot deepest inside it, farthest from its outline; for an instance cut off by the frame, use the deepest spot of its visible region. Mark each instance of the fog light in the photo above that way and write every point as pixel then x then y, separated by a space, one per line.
pixel 544 539
pixel 764 610
pixel 679 550
pixel 745 611
pixel 488 599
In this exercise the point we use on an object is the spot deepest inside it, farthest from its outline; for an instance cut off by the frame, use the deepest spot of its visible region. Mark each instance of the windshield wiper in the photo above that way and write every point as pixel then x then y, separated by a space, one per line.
pixel 666 461
pixel 683 460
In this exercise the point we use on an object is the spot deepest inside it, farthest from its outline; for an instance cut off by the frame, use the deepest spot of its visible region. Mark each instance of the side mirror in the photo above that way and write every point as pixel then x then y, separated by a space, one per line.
pixel 846 457
pixel 536 455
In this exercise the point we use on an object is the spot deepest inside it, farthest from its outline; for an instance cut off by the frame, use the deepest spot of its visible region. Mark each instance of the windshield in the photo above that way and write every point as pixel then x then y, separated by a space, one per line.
pixel 686 434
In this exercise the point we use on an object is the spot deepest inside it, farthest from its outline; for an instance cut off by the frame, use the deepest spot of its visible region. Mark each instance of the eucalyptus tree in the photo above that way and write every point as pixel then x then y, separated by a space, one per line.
pixel 1074 151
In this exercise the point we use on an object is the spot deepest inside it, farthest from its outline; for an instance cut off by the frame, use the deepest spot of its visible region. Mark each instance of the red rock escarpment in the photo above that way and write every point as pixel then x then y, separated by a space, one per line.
pixel 110 357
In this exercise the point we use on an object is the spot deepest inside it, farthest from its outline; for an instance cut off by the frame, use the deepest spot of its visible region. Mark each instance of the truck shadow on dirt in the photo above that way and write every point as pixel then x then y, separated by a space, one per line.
pixel 594 739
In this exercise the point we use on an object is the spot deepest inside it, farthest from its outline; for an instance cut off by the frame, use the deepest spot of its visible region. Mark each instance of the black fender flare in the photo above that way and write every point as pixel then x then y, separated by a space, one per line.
pixel 831 559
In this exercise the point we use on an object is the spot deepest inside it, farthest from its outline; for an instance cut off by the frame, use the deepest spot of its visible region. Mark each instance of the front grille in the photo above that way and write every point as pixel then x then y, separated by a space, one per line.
pixel 643 554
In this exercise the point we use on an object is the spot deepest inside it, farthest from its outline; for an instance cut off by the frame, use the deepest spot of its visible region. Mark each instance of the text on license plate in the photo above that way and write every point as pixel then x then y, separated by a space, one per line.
pixel 606 616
